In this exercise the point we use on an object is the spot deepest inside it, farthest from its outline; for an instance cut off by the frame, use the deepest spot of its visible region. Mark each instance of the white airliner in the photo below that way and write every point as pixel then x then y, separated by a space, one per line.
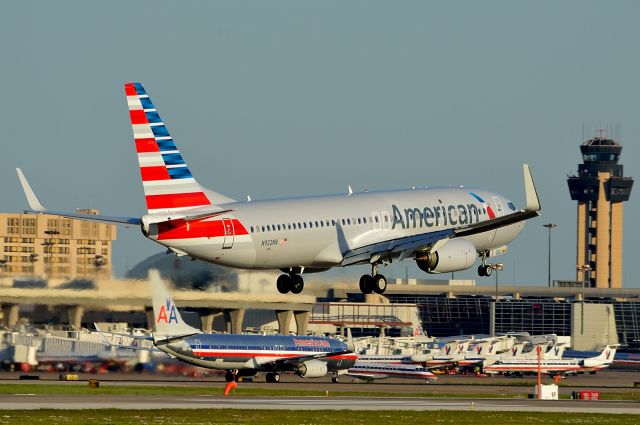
pixel 373 371
pixel 554 366
pixel 442 229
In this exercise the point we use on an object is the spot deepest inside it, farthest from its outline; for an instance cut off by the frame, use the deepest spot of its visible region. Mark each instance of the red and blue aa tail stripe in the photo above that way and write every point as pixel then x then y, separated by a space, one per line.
pixel 168 183
pixel 484 204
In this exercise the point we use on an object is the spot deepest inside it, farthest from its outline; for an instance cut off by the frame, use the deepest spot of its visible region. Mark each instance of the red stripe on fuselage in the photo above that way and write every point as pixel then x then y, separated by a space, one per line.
pixel 146 145
pixel 180 229
pixel 177 200
pixel 138 117
pixel 154 173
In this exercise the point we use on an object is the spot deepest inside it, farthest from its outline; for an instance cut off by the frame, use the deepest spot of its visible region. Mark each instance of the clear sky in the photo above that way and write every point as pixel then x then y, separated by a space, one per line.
pixel 287 98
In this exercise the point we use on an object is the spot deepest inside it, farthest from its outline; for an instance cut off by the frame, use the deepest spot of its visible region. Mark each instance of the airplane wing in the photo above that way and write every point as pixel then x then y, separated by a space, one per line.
pixel 37 208
pixel 293 361
pixel 402 248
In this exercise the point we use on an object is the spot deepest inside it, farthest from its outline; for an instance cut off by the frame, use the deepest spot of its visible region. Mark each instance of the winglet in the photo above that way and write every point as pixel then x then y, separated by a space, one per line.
pixel 533 202
pixel 32 199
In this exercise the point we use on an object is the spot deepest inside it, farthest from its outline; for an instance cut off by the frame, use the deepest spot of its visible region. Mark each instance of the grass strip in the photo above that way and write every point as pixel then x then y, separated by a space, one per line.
pixel 293 417
pixel 216 390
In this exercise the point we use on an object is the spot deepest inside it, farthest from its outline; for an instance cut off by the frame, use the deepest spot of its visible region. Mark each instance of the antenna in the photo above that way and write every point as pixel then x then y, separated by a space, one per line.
pixel 350 191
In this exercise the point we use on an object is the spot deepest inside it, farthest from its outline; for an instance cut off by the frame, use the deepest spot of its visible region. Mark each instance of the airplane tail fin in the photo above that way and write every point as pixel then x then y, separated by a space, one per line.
pixel 168 322
pixel 608 353
pixel 168 183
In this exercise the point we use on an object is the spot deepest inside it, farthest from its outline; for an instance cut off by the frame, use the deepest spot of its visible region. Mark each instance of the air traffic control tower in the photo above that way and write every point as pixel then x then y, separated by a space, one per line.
pixel 600 189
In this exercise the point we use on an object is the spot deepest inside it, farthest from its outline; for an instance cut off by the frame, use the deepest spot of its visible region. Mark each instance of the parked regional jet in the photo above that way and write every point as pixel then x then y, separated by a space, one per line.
pixel 373 371
pixel 308 356
pixel 442 229
pixel 554 366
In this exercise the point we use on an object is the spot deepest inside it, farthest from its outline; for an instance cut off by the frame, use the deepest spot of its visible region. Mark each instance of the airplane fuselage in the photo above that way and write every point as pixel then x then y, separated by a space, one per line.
pixel 315 232
pixel 255 352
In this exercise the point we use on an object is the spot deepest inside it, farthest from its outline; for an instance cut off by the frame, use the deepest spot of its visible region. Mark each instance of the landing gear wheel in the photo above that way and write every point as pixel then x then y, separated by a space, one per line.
pixel 334 379
pixel 284 283
pixel 485 270
pixel 379 284
pixel 366 284
pixel 297 284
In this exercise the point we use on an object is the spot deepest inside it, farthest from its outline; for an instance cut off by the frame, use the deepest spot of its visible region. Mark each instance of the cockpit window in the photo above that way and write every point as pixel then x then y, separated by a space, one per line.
pixel 511 206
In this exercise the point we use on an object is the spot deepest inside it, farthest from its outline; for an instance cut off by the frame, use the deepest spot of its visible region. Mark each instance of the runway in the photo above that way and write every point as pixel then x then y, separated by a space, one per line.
pixel 141 402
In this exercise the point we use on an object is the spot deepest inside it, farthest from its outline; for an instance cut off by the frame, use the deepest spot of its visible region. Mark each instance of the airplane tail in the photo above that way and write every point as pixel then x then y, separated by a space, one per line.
pixel 608 353
pixel 168 322
pixel 168 183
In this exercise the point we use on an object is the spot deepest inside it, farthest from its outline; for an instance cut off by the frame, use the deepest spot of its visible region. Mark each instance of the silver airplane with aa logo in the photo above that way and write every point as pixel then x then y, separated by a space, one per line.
pixel 442 229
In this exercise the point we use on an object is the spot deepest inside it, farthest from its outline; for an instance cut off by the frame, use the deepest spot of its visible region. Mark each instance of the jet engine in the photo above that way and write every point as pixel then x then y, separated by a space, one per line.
pixel 457 254
pixel 312 369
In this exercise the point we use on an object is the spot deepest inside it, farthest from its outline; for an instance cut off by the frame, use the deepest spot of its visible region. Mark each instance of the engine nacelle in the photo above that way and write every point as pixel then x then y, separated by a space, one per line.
pixel 457 254
pixel 312 369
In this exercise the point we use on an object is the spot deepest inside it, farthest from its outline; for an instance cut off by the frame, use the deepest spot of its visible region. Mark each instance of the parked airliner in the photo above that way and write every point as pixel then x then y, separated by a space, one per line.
pixel 374 371
pixel 308 356
pixel 442 229
pixel 554 366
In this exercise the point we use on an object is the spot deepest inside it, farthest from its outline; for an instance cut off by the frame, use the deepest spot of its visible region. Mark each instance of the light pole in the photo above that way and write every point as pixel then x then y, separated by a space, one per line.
pixel 497 268
pixel 549 226
pixel 584 268
pixel 3 262
pixel 49 249
pixel 32 259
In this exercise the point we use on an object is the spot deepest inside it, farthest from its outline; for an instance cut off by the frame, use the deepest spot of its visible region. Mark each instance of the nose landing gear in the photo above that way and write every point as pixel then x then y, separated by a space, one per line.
pixel 484 269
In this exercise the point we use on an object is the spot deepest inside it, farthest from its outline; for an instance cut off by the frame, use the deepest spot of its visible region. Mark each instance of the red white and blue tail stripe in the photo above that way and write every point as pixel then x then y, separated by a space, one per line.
pixel 168 184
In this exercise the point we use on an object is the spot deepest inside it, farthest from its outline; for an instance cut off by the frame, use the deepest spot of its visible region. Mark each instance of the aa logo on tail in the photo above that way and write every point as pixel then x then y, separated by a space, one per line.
pixel 169 308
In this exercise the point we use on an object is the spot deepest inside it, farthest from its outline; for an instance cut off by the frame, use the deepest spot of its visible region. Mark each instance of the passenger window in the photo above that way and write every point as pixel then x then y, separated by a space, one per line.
pixel 300 226
pixel 327 223
pixel 349 221
pixel 305 225
pixel 317 224
pixel 289 226
pixel 278 227
pixel 268 227
pixel 310 225
pixel 263 228
pixel 333 222
pixel 359 221
pixel 343 222
pixel 377 220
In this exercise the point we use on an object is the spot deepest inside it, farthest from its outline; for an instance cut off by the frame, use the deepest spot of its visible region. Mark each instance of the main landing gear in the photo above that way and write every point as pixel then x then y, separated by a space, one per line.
pixel 374 282
pixel 290 283
pixel 273 377
pixel 484 269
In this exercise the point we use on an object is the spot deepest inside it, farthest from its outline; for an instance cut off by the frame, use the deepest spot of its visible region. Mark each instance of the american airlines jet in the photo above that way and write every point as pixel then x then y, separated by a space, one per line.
pixel 441 229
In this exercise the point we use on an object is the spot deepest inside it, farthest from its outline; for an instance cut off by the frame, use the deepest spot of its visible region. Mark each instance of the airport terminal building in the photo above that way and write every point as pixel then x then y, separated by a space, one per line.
pixel 591 316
